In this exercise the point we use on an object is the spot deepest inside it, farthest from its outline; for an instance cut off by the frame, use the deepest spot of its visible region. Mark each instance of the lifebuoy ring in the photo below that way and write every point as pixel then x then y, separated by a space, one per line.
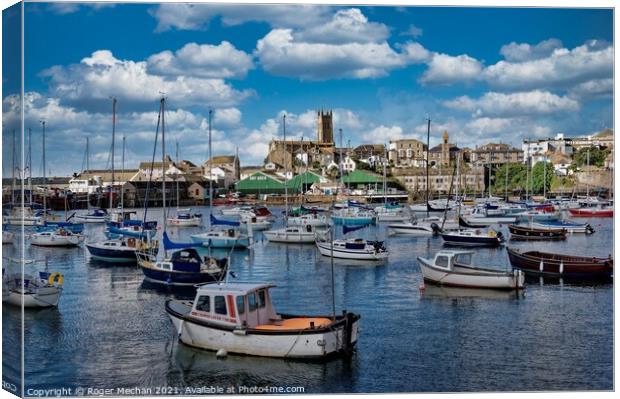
pixel 56 279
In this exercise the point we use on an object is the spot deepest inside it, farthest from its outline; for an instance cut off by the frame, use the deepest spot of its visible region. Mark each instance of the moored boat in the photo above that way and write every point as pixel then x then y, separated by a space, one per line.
pixel 570 227
pixel 40 291
pixel 560 265
pixel 534 233
pixel 292 234
pixel 57 238
pixel 454 268
pixel 473 238
pixel 592 212
pixel 95 215
pixel 185 217
pixel 356 249
pixel 240 318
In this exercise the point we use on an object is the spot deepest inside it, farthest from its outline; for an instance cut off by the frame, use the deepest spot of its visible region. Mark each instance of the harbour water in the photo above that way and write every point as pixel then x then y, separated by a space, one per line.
pixel 110 329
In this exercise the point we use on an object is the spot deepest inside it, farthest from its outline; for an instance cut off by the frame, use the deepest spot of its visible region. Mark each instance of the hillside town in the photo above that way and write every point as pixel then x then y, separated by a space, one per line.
pixel 315 170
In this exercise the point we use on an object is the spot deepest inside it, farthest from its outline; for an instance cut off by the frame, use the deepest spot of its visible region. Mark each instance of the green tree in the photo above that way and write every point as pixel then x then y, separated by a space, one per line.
pixel 516 178
pixel 597 156
pixel 542 178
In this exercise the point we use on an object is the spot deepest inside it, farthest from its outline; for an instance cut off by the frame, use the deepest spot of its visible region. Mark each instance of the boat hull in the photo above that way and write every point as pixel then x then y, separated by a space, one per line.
pixel 320 343
pixel 489 279
pixel 184 222
pixel 471 241
pixel 592 213
pixel 44 298
pixel 553 265
pixel 326 250
pixel 530 233
pixel 287 237
pixel 411 229
pixel 113 255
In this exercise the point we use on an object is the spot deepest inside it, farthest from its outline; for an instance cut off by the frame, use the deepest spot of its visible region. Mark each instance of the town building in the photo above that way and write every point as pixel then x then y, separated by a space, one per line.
pixel 228 163
pixel 443 154
pixel 414 179
pixel 407 153
pixel 496 154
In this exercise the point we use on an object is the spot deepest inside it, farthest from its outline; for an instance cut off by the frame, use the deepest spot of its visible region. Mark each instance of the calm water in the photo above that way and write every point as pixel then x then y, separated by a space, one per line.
pixel 110 329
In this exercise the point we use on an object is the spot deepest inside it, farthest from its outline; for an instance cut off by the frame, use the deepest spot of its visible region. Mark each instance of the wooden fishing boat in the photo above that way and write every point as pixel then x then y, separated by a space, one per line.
pixel 240 318
pixel 454 268
pixel 534 233
pixel 559 265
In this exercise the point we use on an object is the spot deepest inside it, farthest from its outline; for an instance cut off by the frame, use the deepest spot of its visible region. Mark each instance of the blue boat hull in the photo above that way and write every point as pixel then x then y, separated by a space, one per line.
pixel 179 278
pixel 111 255
pixel 352 221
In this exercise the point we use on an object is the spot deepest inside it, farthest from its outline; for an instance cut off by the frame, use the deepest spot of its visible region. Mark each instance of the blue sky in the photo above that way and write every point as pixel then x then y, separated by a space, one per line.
pixel 483 74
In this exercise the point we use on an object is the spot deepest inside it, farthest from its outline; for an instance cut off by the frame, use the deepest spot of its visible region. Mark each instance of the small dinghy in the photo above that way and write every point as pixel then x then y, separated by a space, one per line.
pixel 57 238
pixel 454 268
pixel 559 265
pixel 95 215
pixel 355 249
pixel 570 227
pixel 312 219
pixel 247 222
pixel 239 318
pixel 42 291
pixel 533 233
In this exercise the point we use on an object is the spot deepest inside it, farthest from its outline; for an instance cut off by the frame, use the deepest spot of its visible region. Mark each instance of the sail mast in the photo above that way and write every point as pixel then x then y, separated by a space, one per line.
pixel 123 173
pixel 210 172
pixel 30 164
pixel 44 178
pixel 113 134
pixel 177 177
pixel 428 145
pixel 163 157
pixel 285 168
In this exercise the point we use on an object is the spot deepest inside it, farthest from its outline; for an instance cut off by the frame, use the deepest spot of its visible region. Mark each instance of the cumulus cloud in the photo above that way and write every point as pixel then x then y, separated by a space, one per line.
pixel 563 67
pixel 412 31
pixel 70 8
pixel 444 68
pixel 383 134
pixel 91 82
pixel 346 26
pixel 198 16
pixel 227 117
pixel 522 103
pixel 281 55
pixel 519 52
pixel 202 60
pixel 597 88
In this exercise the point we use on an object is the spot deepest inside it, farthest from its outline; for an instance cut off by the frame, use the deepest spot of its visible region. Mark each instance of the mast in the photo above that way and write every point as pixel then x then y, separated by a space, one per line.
pixel 545 178
pixel 210 172
pixel 527 179
pixel 587 185
pixel 176 177
pixel 506 182
pixel 428 145
pixel 87 155
pixel 384 176
pixel 13 170
pixel 113 134
pixel 30 164
pixel 44 178
pixel 163 158
pixel 341 160
pixel 285 168
pixel 123 172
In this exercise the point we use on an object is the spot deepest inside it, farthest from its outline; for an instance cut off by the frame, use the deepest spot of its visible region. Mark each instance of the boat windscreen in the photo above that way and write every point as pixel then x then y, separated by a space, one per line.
pixel 463 259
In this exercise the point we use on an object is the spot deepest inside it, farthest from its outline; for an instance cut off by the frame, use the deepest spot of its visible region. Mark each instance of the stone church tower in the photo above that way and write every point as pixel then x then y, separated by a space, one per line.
pixel 325 127
pixel 445 149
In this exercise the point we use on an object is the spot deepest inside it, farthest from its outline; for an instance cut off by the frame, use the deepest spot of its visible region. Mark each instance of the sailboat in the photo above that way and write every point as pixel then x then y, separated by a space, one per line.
pixel 351 248
pixel 184 216
pixel 185 266
pixel 218 238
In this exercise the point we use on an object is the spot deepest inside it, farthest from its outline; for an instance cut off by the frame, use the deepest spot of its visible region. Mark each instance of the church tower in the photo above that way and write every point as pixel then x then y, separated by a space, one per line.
pixel 445 149
pixel 325 127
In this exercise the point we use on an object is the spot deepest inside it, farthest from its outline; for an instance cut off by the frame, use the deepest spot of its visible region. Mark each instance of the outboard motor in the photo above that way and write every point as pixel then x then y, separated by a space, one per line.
pixel 589 229
pixel 500 236
pixel 436 228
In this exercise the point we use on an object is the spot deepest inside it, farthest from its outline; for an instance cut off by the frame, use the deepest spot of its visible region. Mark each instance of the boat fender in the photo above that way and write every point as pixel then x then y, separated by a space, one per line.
pixel 221 353
pixel 56 279
pixel 542 266
pixel 561 267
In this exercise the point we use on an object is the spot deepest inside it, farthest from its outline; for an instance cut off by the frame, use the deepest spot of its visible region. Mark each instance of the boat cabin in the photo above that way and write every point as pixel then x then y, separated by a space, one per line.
pixel 446 259
pixel 188 260
pixel 243 305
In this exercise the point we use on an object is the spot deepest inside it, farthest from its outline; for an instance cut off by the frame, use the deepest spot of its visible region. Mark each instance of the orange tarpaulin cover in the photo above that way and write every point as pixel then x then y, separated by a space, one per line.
pixel 299 323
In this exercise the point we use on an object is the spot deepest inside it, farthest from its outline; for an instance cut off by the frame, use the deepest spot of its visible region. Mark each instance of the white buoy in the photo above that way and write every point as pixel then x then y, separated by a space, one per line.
pixel 221 353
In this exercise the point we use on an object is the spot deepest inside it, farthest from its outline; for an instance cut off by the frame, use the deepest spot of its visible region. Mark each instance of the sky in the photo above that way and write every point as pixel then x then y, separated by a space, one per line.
pixel 482 74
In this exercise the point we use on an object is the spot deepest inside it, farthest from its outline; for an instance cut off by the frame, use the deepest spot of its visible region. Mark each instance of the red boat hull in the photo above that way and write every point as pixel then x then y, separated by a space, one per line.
pixel 597 213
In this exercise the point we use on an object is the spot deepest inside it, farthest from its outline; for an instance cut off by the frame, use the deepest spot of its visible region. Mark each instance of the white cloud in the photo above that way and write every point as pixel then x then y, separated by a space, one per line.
pixel 198 16
pixel 522 103
pixel 519 52
pixel 204 61
pixel 346 26
pixel 597 88
pixel 91 82
pixel 563 67
pixel 280 54
pixel 415 53
pixel 383 134
pixel 227 117
pixel 412 31
pixel 70 8
pixel 444 68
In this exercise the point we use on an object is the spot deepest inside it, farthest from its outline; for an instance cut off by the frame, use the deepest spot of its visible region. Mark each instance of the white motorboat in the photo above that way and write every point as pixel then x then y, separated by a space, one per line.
pixel 57 238
pixel 311 219
pixel 413 228
pixel 240 318
pixel 570 227
pixel 292 234
pixel 185 217
pixel 391 214
pixel 418 207
pixel 356 248
pixel 40 291
pixel 480 217
pixel 454 268
pixel 23 216
pixel 235 211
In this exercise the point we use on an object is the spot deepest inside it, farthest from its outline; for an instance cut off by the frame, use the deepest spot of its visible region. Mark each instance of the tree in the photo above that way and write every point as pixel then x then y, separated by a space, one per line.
pixel 597 156
pixel 516 178
pixel 540 178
